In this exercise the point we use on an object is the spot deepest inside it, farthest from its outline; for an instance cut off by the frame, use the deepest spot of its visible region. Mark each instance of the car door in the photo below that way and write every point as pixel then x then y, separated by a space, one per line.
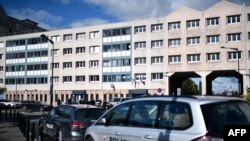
pixel 49 122
pixel 143 121
pixel 175 119
pixel 62 123
pixel 115 123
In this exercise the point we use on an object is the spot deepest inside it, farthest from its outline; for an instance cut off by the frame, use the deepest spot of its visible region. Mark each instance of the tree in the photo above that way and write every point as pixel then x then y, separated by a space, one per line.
pixel 3 90
pixel 189 87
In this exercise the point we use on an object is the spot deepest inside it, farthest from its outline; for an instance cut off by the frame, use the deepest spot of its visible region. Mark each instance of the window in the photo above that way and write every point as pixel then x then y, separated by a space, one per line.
pixel 94 63
pixel 67 65
pixel 248 16
pixel 80 64
pixel 55 52
pixel 172 59
pixel 94 78
pixel 1 81
pixel 176 115
pixel 157 60
pixel 35 80
pixel 80 78
pixel 117 32
pixel 213 57
pixel 234 37
pixel 157 76
pixel 157 44
pixel 94 35
pixel 233 19
pixel 140 61
pixel 55 79
pixel 67 51
pixel 67 37
pixel 55 65
pixel 192 58
pixel 80 50
pixel 193 40
pixel 36 54
pixel 143 114
pixel 116 47
pixel 55 38
pixel 140 76
pixel 234 55
pixel 119 115
pixel 212 21
pixel 174 25
pixel 193 23
pixel 213 39
pixel 80 36
pixel 174 42
pixel 1 56
pixel 140 29
pixel 1 44
pixel 67 79
pixel 94 49
pixel 156 27
pixel 117 78
pixel 140 45
pixel 107 63
pixel 249 36
pixel 1 68
pixel 14 43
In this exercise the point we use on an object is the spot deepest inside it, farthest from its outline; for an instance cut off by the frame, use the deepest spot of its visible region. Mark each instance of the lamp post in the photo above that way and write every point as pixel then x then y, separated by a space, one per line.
pixel 52 69
pixel 238 61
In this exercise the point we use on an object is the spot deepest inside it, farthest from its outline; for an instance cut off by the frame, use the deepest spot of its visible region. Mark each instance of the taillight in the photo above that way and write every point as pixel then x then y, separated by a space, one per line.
pixel 208 138
pixel 78 124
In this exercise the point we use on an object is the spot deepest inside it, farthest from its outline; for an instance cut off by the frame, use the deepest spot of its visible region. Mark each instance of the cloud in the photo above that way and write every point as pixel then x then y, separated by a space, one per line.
pixel 139 8
pixel 44 18
pixel 87 22
pixel 220 84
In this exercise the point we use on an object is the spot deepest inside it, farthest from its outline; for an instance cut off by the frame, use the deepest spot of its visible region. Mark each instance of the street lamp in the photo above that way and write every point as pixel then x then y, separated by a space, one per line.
pixel 52 68
pixel 238 60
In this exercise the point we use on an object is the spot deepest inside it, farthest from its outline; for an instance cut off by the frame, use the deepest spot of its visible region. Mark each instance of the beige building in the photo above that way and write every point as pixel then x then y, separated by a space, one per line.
pixel 153 56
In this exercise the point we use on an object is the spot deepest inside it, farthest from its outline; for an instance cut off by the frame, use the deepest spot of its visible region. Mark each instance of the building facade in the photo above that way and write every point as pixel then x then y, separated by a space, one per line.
pixel 131 57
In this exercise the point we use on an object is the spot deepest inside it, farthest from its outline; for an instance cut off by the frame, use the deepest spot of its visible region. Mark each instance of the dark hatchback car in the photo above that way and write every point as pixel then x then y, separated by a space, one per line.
pixel 69 122
pixel 32 106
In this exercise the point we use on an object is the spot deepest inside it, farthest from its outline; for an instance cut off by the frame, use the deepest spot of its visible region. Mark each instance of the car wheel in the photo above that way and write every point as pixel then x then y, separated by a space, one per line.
pixel 89 139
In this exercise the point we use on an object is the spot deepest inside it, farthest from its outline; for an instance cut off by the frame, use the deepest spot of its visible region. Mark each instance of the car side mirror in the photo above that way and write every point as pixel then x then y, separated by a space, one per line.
pixel 103 121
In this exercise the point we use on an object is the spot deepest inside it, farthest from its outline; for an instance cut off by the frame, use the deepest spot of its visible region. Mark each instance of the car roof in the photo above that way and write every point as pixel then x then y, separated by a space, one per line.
pixel 81 106
pixel 199 99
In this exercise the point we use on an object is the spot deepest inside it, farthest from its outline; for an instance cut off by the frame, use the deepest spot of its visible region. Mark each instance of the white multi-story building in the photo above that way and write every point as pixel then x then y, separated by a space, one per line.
pixel 152 56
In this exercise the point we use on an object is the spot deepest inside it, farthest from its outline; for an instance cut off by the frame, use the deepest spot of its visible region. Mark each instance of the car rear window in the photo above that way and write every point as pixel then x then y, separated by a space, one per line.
pixel 225 113
pixel 89 113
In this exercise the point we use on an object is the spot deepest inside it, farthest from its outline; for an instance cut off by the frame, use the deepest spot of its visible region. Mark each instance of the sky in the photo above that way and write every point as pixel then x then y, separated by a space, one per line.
pixel 59 14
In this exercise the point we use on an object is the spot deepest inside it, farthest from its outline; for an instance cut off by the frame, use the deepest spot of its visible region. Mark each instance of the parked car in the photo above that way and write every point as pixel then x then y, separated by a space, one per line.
pixel 170 118
pixel 116 101
pixel 9 104
pixel 32 105
pixel 70 121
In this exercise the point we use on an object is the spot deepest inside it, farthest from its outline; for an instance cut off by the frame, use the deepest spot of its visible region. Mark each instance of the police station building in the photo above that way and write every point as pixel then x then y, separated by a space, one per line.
pixel 142 56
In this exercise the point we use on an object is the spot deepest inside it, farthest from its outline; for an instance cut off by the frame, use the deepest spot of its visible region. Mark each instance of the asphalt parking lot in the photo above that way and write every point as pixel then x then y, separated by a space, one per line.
pixel 10 132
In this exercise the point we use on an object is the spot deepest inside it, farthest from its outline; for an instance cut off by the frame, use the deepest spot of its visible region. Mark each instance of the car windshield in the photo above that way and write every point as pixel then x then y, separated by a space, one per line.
pixel 219 114
pixel 88 113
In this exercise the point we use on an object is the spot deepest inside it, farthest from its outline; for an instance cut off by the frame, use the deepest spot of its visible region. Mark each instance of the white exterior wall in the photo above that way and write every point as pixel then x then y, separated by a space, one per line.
pixel 203 68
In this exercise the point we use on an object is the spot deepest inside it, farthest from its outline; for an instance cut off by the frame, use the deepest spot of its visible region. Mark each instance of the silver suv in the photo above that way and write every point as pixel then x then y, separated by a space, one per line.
pixel 176 118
